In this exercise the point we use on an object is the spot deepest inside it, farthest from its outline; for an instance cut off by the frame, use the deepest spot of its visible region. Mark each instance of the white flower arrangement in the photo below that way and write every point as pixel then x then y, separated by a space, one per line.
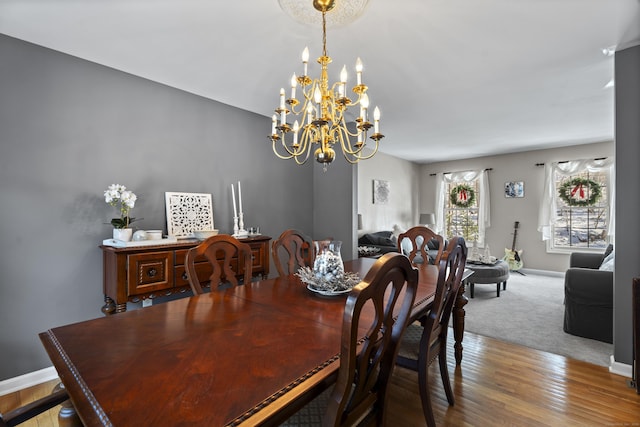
pixel 117 195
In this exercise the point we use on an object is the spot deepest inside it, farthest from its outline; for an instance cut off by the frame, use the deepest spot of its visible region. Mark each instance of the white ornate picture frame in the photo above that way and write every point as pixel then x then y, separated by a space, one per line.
pixel 381 192
pixel 188 212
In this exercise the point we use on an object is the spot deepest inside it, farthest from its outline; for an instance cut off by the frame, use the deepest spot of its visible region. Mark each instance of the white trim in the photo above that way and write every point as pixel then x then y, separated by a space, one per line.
pixel 620 368
pixel 541 272
pixel 27 380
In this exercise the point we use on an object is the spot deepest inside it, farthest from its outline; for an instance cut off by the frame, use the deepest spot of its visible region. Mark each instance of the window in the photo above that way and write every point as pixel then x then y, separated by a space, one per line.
pixel 461 210
pixel 582 207
pixel 462 205
pixel 576 213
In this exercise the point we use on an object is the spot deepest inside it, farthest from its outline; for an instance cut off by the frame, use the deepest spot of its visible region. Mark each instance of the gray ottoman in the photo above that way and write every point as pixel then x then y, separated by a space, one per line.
pixel 497 273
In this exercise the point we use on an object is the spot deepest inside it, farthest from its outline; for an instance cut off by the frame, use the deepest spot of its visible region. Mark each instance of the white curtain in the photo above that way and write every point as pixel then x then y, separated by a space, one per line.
pixel 484 214
pixel 548 209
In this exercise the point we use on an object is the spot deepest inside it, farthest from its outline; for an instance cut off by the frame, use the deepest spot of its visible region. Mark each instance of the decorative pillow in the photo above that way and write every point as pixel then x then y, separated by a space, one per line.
pixel 607 263
pixel 608 251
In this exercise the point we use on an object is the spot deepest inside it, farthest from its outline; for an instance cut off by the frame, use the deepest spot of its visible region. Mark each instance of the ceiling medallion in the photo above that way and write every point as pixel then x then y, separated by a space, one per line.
pixel 344 12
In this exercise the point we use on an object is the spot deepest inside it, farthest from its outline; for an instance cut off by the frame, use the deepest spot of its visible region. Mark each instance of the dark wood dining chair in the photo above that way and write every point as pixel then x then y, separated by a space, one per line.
pixel 298 248
pixel 425 341
pixel 31 410
pixel 222 252
pixel 366 363
pixel 419 237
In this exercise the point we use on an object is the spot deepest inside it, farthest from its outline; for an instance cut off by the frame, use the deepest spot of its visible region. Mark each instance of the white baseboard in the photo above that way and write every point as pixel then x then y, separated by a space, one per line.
pixel 620 368
pixel 27 380
pixel 542 272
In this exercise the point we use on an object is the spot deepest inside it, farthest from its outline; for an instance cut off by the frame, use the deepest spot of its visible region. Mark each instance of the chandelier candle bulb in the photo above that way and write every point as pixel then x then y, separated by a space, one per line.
pixel 282 98
pixel 274 122
pixel 295 132
pixel 359 67
pixel 310 113
pixel 305 59
pixel 376 120
pixel 294 83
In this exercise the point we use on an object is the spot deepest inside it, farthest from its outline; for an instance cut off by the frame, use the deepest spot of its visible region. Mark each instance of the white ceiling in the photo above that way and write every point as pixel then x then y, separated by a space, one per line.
pixel 453 78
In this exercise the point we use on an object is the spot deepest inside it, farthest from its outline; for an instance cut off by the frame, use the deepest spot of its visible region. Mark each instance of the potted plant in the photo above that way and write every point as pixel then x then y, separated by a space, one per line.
pixel 118 196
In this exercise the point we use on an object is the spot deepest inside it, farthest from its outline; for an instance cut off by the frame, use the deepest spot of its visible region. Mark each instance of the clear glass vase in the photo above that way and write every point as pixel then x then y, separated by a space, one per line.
pixel 328 264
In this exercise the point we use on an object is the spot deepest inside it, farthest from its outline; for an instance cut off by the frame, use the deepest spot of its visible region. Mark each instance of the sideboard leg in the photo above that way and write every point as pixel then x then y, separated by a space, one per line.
pixel 109 306
pixel 458 322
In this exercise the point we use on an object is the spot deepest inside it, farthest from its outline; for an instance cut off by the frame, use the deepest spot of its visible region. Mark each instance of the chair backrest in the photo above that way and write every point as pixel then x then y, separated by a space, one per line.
pixel 450 271
pixel 366 364
pixel 212 249
pixel 419 238
pixel 299 249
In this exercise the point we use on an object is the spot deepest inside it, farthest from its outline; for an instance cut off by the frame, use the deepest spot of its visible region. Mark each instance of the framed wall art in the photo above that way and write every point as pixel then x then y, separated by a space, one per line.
pixel 188 212
pixel 381 192
pixel 514 189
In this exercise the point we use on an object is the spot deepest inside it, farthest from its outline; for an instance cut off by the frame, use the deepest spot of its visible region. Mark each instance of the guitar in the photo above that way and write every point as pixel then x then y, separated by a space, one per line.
pixel 512 256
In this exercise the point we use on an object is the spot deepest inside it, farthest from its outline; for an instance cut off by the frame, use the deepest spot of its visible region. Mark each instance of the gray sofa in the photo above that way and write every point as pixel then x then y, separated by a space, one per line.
pixel 380 239
pixel 588 309
pixel 385 241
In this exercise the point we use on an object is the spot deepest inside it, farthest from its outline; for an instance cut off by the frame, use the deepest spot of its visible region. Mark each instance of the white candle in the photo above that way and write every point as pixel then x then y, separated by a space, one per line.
pixel 282 98
pixel 309 113
pixel 364 104
pixel 294 83
pixel 233 194
pixel 376 120
pixel 274 121
pixel 239 197
pixel 295 132
pixel 305 60
pixel 359 68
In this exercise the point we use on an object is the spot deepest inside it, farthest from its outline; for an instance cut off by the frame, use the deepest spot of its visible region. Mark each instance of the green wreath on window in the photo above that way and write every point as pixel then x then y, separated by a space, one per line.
pixel 462 196
pixel 580 192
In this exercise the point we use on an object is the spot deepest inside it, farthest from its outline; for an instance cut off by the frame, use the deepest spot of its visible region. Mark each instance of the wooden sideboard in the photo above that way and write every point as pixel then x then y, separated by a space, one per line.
pixel 137 273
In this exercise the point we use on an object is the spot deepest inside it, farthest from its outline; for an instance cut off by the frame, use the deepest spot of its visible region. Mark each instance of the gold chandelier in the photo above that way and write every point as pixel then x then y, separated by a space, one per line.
pixel 322 113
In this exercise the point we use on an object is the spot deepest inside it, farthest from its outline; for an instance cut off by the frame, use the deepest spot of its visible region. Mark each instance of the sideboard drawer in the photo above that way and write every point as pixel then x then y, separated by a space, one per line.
pixel 148 272
pixel 203 270
pixel 259 258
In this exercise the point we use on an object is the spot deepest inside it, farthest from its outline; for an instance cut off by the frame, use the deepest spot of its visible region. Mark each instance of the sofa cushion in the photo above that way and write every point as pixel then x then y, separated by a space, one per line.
pixel 607 251
pixel 381 238
pixel 607 263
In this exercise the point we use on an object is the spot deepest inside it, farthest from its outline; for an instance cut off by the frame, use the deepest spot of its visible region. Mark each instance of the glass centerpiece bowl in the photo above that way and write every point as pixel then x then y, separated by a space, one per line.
pixel 328 276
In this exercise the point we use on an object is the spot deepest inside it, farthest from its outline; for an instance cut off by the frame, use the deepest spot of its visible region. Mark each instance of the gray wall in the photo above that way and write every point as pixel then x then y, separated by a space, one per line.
pixel 627 80
pixel 334 205
pixel 68 129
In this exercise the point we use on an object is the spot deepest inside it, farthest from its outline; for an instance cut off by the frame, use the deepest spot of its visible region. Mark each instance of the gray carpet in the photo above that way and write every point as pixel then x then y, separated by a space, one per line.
pixel 530 313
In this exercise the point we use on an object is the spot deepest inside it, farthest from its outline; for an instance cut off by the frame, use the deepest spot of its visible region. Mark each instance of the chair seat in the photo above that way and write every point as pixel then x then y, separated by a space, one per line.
pixel 312 413
pixel 410 344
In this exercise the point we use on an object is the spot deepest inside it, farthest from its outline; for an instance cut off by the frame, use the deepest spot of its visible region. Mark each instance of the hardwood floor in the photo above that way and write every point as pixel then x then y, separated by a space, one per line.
pixel 498 384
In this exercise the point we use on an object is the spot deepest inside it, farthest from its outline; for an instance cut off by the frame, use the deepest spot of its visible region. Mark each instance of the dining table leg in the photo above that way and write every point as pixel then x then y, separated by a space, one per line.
pixel 458 321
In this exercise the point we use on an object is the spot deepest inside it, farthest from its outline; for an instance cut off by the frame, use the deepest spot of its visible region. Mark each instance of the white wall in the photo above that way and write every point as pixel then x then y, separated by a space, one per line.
pixel 404 200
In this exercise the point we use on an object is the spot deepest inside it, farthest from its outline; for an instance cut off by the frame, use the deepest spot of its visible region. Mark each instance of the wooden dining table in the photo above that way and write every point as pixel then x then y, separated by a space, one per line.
pixel 249 355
